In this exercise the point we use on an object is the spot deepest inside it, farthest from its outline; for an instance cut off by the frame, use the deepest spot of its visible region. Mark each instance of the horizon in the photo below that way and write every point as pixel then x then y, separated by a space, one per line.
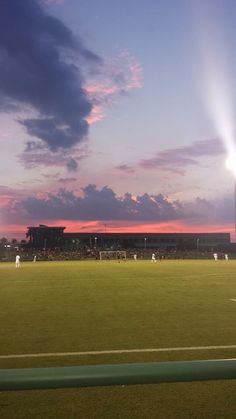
pixel 22 236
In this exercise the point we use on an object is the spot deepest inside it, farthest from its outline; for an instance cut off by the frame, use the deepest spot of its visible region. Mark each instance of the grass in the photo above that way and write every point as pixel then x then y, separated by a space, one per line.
pixel 86 306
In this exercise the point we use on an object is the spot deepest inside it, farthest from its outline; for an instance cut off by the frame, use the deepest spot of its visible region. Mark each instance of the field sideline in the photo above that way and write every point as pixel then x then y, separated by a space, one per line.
pixel 118 312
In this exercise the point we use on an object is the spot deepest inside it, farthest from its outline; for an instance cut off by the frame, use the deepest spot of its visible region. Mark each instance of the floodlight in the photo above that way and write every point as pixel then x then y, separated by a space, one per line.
pixel 231 163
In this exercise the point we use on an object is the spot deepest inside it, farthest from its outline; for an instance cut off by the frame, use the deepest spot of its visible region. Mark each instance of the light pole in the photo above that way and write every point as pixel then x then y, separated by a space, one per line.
pixel 197 244
pixel 145 243
pixel 95 238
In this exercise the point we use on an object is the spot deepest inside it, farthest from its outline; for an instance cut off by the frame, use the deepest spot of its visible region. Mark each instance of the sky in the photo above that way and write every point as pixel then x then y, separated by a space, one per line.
pixel 117 115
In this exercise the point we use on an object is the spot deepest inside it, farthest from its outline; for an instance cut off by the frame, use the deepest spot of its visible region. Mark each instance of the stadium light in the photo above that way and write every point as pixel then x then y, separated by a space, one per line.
pixel 95 238
pixel 231 165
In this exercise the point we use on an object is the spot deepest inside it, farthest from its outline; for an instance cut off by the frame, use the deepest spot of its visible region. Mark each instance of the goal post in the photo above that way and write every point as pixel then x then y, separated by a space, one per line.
pixel 112 255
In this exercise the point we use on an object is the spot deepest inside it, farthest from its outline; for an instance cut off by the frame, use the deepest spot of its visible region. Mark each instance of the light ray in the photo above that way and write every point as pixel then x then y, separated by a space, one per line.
pixel 215 70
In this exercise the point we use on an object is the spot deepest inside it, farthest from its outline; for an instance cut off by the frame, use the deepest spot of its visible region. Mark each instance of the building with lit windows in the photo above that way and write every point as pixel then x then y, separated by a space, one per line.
pixel 46 237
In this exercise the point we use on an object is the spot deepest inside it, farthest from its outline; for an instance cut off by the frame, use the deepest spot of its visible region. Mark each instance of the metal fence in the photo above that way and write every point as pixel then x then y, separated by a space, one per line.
pixel 116 374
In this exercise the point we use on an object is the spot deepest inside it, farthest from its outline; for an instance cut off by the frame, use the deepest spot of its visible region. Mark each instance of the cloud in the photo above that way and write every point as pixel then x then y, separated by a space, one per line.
pixel 10 195
pixel 125 169
pixel 38 70
pixel 117 77
pixel 50 75
pixel 6 196
pixel 67 180
pixel 71 165
pixel 104 205
pixel 177 160
pixel 37 155
pixel 101 204
pixel 49 2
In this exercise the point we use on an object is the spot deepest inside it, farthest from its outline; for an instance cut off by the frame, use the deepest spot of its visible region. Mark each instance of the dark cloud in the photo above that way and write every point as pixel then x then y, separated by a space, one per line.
pixel 36 155
pixel 72 165
pixel 40 67
pixel 105 205
pixel 101 204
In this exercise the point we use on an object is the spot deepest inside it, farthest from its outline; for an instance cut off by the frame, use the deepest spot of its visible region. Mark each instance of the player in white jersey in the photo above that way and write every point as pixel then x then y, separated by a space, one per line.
pixel 17 261
pixel 215 255
pixel 153 257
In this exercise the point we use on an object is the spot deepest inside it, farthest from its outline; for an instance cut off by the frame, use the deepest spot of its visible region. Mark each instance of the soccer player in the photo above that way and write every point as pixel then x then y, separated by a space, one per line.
pixel 35 257
pixel 135 256
pixel 17 261
pixel 153 258
pixel 215 255
pixel 226 256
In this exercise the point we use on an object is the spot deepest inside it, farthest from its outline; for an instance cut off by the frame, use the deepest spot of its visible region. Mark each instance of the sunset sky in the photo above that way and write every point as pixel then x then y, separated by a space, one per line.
pixel 117 115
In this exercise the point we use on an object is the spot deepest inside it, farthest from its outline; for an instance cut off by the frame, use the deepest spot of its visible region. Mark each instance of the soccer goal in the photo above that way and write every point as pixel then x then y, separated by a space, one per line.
pixel 112 255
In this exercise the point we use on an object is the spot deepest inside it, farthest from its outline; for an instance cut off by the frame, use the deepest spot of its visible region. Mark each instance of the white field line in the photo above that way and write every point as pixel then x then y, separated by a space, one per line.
pixel 116 351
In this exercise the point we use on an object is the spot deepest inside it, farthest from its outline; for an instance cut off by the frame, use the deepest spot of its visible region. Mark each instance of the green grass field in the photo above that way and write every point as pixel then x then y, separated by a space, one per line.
pixel 52 307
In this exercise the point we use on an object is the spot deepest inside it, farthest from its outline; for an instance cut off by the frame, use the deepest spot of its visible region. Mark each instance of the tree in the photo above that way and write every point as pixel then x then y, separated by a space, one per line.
pixel 3 241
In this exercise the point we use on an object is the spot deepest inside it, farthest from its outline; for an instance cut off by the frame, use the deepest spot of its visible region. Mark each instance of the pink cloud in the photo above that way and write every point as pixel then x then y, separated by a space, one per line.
pixel 178 159
pixel 120 75
pixel 95 115
pixel 9 195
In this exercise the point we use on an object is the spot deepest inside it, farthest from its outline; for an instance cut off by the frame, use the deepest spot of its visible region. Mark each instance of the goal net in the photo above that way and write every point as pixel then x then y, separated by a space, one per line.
pixel 112 255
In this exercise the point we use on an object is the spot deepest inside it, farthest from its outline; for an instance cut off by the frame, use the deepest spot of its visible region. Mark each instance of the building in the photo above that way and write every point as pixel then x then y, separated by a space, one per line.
pixel 45 237
pixel 180 241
